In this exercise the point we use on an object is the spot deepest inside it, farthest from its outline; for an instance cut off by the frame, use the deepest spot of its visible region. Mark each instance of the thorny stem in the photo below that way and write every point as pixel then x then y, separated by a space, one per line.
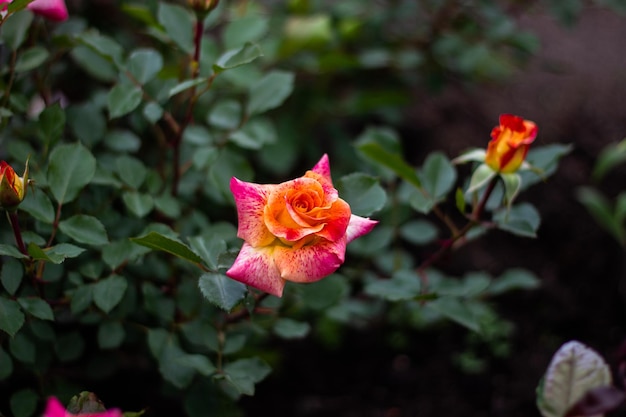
pixel 15 224
pixel 195 65
pixel 474 220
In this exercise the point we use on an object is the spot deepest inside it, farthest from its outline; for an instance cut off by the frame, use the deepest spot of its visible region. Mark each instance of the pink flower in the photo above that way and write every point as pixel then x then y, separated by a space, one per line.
pixel 294 231
pixel 50 9
pixel 55 409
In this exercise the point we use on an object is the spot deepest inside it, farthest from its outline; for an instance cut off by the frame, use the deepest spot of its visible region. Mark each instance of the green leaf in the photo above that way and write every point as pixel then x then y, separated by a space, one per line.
pixel 11 275
pixel 36 307
pixel 131 170
pixel 221 290
pixel 514 279
pixel 480 177
pixel 244 373
pixel 226 114
pixel 199 363
pixel 209 247
pixel 139 204
pixel 111 334
pixel 14 30
pixel 24 403
pixel 291 329
pixel 6 365
pixel 512 184
pixel 237 57
pixel 94 64
pixel 51 124
pixel 255 134
pixel 157 241
pixel 71 167
pixel 573 371
pixel 362 192
pixel 18 5
pixel 325 293
pixel 403 285
pixel 144 64
pixel 185 85
pixel 245 29
pixel 611 156
pixel 55 254
pixel 379 155
pixel 421 202
pixel 9 250
pixel 85 229
pixel 31 59
pixel 178 23
pixel 123 99
pixel 116 253
pixel 600 209
pixel 456 310
pixel 81 298
pixel 108 292
pixel 419 232
pixel 88 122
pixel 438 175
pixel 522 220
pixel 270 91
pixel 104 46
pixel 11 317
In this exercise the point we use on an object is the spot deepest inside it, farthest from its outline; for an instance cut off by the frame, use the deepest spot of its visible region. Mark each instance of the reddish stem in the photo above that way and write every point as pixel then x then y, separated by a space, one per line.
pixel 15 224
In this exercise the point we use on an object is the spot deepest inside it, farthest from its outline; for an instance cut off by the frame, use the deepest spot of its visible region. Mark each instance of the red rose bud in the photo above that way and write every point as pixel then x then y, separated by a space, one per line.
pixel 12 187
pixel 510 143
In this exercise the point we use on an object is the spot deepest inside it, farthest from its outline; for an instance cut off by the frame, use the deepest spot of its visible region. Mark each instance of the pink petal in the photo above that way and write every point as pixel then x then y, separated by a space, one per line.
pixel 310 263
pixel 358 227
pixel 250 199
pixel 256 267
pixel 54 408
pixel 323 168
pixel 51 9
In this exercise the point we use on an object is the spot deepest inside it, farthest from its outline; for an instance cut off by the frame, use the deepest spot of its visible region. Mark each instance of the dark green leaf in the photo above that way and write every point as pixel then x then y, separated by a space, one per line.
pixel 157 241
pixel 226 114
pixel 221 290
pixel 85 229
pixel 10 250
pixel 131 170
pixel 209 248
pixel 403 285
pixel 185 85
pixel 237 57
pixel 103 45
pixel 270 91
pixel 362 192
pixel 245 29
pixel 178 23
pixel 24 403
pixel 601 210
pixel 199 363
pixel 379 155
pixel 244 373
pixel 255 134
pixel 419 232
pixel 116 253
pixel 123 99
pixel 11 317
pixel 144 64
pixel 81 298
pixel 108 293
pixel 522 220
pixel 71 167
pixel 111 334
pixel 36 307
pixel 437 175
pixel 456 310
pixel 514 279
pixel 291 329
pixel 31 59
pixel 88 122
pixel 6 365
pixel 139 204
pixel 94 64
pixel 122 141
pixel 11 276
pixel 55 254
pixel 14 30
pixel 324 293
pixel 51 123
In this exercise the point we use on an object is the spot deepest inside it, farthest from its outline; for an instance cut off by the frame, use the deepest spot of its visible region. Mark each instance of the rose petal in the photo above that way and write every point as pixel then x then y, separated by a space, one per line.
pixel 250 199
pixel 339 216
pixel 256 267
pixel 310 263
pixel 358 227
pixel 51 9
pixel 54 408
pixel 323 168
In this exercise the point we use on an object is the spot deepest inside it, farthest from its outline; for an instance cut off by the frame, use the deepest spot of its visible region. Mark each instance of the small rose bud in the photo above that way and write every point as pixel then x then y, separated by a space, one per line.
pixel 12 187
pixel 203 6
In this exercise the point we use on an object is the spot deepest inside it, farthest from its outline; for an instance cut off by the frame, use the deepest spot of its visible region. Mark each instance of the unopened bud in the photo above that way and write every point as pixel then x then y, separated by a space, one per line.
pixel 203 6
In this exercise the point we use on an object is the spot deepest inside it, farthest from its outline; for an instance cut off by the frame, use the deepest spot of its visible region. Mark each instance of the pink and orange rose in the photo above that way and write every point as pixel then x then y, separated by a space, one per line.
pixel 294 231
pixel 509 143
pixel 50 9
pixel 12 187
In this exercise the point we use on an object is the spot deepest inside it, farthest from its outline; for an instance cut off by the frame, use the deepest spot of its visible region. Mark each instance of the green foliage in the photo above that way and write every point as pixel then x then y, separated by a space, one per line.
pixel 128 226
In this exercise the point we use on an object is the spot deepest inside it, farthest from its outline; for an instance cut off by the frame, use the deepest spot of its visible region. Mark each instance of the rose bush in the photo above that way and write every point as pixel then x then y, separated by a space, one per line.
pixel 295 231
